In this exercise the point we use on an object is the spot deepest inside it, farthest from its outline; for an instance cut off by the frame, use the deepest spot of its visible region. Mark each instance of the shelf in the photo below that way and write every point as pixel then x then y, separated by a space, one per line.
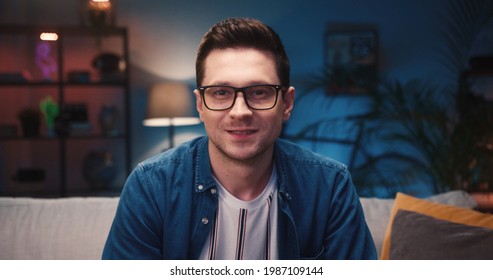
pixel 69 30
pixel 62 157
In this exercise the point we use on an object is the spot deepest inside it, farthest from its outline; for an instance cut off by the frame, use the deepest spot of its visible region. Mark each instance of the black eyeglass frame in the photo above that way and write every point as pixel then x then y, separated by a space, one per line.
pixel 242 89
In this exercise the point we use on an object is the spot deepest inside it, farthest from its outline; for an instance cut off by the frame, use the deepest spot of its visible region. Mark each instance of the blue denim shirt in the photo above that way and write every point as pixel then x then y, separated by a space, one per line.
pixel 168 204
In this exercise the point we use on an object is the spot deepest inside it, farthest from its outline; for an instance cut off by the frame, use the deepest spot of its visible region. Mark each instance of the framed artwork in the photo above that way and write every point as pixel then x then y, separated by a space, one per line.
pixel 351 58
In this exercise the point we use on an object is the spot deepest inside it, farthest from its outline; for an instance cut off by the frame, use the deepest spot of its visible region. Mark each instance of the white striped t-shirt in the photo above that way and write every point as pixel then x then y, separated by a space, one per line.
pixel 244 230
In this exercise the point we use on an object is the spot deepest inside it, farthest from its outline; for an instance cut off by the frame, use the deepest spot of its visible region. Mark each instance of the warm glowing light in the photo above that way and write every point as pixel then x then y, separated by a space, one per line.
pixel 171 121
pixel 100 5
pixel 48 36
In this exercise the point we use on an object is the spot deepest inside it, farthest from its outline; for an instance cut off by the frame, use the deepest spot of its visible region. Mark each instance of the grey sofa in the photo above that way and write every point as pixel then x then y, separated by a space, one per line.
pixel 76 228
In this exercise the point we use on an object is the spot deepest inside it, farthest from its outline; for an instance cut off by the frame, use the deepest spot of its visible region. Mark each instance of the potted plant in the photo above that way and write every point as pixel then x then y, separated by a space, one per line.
pixel 442 134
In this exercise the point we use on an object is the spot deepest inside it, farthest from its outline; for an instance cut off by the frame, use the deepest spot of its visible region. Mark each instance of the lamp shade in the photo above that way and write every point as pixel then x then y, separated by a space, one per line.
pixel 170 104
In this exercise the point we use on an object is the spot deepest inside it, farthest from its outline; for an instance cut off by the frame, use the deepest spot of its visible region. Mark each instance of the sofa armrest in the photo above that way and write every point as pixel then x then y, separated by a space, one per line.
pixel 64 228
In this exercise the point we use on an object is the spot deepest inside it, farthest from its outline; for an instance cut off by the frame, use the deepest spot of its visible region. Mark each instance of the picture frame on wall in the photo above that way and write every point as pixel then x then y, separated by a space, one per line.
pixel 351 58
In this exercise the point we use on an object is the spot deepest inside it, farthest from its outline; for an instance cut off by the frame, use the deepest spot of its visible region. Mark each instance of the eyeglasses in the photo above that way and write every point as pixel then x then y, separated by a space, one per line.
pixel 257 97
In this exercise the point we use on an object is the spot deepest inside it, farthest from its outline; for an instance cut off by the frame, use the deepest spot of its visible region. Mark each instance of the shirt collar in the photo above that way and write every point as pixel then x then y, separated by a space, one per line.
pixel 204 179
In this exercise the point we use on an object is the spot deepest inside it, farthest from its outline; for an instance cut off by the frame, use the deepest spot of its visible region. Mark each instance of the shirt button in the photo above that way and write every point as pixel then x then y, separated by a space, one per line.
pixel 205 221
pixel 213 191
pixel 200 187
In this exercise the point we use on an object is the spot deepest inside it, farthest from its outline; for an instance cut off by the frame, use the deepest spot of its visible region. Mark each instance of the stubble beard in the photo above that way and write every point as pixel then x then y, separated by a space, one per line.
pixel 229 156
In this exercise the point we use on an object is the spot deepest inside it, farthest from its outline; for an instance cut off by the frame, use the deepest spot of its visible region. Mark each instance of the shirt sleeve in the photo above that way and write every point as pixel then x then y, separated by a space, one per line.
pixel 348 236
pixel 135 232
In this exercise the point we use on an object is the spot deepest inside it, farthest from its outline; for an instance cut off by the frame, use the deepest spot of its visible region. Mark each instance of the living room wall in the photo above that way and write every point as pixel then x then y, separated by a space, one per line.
pixel 164 36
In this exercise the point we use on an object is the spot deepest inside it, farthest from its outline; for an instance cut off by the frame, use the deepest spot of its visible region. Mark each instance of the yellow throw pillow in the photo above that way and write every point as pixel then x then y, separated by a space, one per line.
pixel 442 212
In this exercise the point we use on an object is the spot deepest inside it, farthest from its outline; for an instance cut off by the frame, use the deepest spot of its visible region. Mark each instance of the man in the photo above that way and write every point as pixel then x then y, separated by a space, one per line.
pixel 240 192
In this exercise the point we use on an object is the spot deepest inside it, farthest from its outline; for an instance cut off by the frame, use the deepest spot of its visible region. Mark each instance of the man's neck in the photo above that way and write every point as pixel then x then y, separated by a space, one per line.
pixel 243 179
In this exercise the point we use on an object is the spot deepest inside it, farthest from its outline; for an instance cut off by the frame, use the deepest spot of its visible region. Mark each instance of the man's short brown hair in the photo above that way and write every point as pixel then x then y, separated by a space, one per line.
pixel 243 32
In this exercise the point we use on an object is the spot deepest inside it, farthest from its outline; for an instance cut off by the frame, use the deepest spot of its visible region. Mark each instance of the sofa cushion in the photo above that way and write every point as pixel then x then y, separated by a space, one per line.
pixel 65 228
pixel 462 217
pixel 377 211
pixel 421 237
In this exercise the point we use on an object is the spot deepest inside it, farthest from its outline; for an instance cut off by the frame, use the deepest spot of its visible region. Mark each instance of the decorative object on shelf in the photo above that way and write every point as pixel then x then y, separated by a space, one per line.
pixel 30 119
pixel 50 110
pixel 29 175
pixel 45 61
pixel 351 53
pixel 80 128
pixel 170 104
pixel 108 120
pixel 99 169
pixel 78 111
pixel 110 66
pixel 98 13
pixel 81 77
pixel 15 77
pixel 72 120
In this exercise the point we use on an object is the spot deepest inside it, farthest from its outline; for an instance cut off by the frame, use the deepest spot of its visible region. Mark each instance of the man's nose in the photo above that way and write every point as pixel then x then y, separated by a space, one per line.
pixel 240 107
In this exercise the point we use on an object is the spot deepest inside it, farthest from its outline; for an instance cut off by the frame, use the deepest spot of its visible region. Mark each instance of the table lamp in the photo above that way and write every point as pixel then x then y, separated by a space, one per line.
pixel 170 104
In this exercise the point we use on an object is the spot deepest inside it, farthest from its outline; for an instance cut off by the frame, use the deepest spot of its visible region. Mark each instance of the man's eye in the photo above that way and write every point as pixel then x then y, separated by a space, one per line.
pixel 221 93
pixel 259 92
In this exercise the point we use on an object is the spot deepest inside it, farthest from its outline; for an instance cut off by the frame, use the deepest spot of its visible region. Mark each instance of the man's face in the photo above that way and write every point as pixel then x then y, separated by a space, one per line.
pixel 241 133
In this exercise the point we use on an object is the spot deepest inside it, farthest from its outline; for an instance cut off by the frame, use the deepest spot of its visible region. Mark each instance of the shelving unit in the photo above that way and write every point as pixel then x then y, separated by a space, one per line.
pixel 58 164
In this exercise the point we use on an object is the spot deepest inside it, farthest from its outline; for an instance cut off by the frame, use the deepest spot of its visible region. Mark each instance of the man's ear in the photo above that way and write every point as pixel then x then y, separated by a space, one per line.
pixel 288 102
pixel 198 103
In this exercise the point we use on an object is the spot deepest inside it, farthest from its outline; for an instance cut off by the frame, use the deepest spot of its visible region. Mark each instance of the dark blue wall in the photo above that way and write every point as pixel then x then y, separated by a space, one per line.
pixel 164 36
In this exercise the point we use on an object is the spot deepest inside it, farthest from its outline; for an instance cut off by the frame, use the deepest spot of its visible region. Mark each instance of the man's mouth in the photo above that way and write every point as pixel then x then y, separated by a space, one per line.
pixel 241 132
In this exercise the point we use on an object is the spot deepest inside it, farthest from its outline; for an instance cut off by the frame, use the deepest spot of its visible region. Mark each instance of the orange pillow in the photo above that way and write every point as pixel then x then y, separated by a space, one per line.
pixel 438 211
